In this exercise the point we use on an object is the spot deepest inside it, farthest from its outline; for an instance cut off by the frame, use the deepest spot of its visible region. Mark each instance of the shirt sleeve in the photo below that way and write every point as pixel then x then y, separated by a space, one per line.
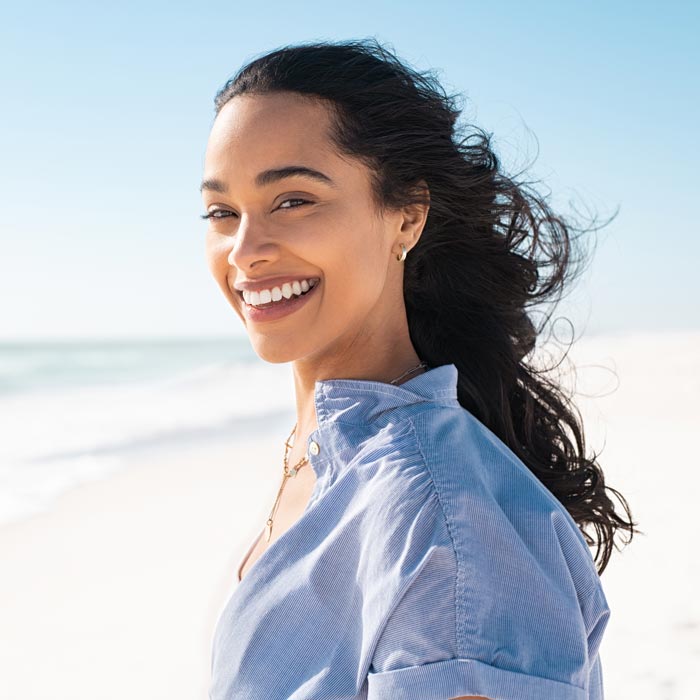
pixel 504 632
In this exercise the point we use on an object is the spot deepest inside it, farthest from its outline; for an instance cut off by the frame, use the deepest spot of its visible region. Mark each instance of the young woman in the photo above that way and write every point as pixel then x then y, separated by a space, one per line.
pixel 430 538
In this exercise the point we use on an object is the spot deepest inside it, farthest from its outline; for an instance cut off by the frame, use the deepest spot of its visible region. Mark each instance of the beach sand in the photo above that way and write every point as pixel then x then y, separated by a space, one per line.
pixel 115 590
pixel 647 429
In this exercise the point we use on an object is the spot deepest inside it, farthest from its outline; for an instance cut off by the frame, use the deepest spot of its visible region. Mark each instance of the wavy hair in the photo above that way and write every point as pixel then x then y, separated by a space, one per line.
pixel 490 251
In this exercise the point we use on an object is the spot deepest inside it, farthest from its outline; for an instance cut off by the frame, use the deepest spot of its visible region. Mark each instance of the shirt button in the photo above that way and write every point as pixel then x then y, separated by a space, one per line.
pixel 314 448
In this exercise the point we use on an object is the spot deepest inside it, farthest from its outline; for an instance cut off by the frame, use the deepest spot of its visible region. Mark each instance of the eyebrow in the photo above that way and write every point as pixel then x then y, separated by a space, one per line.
pixel 268 177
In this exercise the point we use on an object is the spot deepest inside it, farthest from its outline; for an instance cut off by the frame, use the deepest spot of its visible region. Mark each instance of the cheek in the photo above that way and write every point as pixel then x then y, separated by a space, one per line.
pixel 355 281
pixel 357 232
pixel 363 263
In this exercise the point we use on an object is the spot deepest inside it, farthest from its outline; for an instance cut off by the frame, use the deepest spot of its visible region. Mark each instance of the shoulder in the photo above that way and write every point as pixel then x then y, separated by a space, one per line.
pixel 499 573
pixel 503 521
pixel 444 478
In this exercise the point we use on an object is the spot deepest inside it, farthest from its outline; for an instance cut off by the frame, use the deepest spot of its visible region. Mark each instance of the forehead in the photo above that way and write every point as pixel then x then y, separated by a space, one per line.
pixel 255 131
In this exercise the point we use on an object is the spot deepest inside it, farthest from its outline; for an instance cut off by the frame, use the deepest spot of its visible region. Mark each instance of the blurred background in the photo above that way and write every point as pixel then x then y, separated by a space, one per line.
pixel 141 437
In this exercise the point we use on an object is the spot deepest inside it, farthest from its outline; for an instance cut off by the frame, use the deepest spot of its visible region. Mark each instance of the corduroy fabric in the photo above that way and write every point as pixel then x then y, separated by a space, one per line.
pixel 429 563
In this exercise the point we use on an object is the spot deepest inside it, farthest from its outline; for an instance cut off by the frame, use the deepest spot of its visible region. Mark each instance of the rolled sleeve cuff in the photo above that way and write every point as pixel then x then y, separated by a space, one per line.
pixel 443 680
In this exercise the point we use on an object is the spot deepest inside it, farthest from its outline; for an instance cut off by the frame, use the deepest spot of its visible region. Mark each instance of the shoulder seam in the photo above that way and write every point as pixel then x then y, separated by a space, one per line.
pixel 447 527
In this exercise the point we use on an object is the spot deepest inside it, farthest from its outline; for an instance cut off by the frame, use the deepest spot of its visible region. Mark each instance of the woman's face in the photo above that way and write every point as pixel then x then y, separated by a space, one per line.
pixel 270 228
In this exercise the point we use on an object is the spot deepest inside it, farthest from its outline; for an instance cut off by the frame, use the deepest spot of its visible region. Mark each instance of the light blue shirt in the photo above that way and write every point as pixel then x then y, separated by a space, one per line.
pixel 429 563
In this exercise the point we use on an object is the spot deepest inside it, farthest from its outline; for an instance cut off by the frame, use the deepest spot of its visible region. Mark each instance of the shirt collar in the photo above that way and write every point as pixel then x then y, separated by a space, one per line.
pixel 349 409
pixel 359 401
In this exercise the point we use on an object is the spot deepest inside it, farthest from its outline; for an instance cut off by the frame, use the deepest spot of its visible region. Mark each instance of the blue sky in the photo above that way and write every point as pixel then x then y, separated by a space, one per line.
pixel 106 112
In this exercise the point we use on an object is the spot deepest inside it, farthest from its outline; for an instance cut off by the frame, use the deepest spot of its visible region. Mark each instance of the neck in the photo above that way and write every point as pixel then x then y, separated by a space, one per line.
pixel 377 361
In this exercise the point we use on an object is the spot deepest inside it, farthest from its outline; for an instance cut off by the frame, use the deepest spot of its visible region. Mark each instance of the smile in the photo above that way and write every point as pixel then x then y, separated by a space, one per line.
pixel 283 305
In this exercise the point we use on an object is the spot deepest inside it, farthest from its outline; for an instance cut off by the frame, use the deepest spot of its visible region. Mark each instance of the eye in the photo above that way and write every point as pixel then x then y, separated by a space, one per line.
pixel 217 214
pixel 295 199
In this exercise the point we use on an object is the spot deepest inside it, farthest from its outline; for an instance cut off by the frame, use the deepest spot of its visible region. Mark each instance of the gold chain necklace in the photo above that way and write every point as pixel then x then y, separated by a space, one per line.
pixel 288 473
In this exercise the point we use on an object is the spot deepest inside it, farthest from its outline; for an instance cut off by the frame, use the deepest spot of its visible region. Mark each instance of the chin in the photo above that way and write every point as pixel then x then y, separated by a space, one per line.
pixel 275 352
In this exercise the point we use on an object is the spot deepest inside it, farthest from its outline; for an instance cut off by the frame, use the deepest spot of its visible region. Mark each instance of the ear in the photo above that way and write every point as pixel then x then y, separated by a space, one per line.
pixel 414 216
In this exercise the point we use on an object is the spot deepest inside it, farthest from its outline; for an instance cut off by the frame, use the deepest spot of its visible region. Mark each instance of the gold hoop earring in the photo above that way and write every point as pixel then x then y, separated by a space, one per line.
pixel 403 254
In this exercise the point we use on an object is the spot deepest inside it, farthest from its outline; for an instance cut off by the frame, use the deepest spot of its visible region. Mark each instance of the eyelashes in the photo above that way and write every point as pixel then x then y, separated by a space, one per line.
pixel 225 213
pixel 293 199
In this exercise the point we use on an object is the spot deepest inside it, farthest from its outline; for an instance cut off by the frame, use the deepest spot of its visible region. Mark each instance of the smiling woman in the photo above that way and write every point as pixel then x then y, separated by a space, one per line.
pixel 306 218
pixel 430 537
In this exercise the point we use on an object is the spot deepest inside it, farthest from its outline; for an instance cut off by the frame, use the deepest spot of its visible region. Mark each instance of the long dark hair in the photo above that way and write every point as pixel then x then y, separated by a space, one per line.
pixel 491 249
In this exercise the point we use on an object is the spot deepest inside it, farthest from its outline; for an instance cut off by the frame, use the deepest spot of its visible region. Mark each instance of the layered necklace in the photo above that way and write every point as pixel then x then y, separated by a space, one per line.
pixel 292 471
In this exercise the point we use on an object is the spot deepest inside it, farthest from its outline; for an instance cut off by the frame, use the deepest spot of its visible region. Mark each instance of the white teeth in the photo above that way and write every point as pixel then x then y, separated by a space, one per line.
pixel 265 296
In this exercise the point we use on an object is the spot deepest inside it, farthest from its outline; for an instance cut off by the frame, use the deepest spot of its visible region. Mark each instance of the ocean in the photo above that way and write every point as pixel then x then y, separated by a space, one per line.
pixel 72 411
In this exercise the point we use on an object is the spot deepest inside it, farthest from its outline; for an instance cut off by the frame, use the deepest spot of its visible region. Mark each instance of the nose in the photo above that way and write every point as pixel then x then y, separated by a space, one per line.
pixel 252 244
